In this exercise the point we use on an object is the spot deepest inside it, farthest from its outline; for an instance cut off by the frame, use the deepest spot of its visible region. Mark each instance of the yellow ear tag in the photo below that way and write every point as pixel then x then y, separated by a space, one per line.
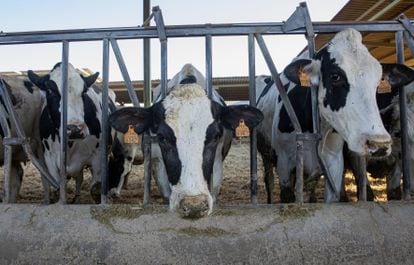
pixel 304 79
pixel 242 130
pixel 384 87
pixel 131 137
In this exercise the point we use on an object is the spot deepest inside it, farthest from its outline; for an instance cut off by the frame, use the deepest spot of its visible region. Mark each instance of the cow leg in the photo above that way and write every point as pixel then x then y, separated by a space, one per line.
pixel 269 177
pixel 332 157
pixel 78 185
pixel 358 165
pixel 393 184
pixel 16 175
pixel 286 186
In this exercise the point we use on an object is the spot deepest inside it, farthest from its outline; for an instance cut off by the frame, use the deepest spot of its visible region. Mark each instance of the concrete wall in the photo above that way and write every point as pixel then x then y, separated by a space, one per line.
pixel 363 233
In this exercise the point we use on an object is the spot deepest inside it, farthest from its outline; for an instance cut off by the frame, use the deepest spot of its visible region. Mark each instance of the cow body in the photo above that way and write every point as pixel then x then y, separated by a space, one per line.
pixel 84 126
pixel 347 77
pixel 388 103
pixel 194 135
pixel 27 104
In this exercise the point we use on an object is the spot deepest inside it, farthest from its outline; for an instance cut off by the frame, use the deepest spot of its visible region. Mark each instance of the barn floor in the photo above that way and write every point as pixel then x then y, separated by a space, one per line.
pixel 235 189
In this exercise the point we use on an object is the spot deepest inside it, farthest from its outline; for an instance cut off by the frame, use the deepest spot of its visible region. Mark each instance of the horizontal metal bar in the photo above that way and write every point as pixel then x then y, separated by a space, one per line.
pixel 189 31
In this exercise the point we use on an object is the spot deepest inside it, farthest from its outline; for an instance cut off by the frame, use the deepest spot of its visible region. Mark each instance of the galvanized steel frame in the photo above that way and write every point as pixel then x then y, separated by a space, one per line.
pixel 251 30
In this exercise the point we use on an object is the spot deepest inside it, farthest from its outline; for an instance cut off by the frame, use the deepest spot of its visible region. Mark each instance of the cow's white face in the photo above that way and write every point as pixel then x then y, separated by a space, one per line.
pixel 348 76
pixel 80 108
pixel 189 127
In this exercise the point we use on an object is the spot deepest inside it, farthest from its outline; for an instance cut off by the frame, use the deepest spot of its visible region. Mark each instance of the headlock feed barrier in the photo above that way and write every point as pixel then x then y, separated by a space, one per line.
pixel 298 23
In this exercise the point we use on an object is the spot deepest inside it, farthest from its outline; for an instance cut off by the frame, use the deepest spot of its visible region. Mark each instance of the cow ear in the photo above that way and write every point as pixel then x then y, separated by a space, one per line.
pixel 302 66
pixel 89 80
pixel 139 118
pixel 37 80
pixel 232 115
pixel 397 74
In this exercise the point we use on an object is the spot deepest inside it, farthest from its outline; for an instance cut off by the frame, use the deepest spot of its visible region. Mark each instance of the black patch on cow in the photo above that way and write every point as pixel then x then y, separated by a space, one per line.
pixel 90 115
pixel 286 87
pixel 301 102
pixel 29 86
pixel 334 81
pixel 213 134
pixel 70 144
pixel 266 89
pixel 191 79
pixel 46 145
pixel 116 163
pixel 97 145
pixel 129 158
pixel 47 127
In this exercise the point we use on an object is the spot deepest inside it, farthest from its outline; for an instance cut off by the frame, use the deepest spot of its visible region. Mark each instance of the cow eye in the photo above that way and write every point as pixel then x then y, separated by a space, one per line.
pixel 335 77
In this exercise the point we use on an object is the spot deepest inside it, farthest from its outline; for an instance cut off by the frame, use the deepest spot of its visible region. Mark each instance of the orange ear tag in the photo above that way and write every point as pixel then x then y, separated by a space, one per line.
pixel 304 79
pixel 242 130
pixel 131 137
pixel 384 87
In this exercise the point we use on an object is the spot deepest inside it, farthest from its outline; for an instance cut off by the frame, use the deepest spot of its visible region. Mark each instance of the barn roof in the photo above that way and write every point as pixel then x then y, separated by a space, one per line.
pixel 381 45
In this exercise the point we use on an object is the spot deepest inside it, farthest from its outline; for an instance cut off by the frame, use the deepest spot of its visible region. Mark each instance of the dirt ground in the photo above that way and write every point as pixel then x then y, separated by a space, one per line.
pixel 235 187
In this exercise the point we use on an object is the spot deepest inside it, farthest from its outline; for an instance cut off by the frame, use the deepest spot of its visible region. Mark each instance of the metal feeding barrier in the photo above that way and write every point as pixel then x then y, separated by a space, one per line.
pixel 298 23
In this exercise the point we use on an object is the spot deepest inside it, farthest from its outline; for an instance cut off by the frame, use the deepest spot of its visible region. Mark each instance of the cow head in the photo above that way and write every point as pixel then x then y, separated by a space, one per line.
pixel 78 86
pixel 347 76
pixel 189 127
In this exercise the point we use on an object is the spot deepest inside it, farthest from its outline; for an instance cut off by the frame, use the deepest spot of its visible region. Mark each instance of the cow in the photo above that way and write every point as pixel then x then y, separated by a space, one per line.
pixel 396 75
pixel 84 126
pixel 347 76
pixel 194 135
pixel 27 103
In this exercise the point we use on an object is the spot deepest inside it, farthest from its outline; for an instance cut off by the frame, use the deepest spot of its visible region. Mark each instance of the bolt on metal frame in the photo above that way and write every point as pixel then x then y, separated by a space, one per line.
pixel 252 30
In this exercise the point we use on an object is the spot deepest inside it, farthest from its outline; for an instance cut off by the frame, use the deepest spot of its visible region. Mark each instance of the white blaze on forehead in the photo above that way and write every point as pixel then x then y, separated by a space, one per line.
pixel 188 113
pixel 75 89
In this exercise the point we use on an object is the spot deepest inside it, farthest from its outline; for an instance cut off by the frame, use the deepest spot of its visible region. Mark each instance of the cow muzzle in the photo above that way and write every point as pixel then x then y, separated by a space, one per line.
pixel 378 146
pixel 76 131
pixel 194 206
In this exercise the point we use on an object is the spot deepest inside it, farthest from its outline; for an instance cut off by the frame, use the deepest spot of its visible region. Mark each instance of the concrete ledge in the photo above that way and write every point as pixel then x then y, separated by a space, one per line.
pixel 363 233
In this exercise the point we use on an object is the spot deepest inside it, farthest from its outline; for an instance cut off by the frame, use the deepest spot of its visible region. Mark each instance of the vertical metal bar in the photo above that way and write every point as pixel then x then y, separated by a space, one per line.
pixel 118 55
pixel 399 45
pixel 7 150
pixel 105 127
pixel 147 167
pixel 209 68
pixel 253 135
pixel 64 122
pixel 159 21
pixel 147 60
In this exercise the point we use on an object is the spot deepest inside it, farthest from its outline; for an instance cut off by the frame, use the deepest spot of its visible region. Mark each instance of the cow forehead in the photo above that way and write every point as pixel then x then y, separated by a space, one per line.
pixel 353 57
pixel 188 110
pixel 75 81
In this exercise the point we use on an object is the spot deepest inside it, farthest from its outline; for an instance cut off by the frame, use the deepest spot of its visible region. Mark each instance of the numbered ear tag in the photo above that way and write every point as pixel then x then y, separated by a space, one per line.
pixel 304 78
pixel 131 137
pixel 242 130
pixel 384 87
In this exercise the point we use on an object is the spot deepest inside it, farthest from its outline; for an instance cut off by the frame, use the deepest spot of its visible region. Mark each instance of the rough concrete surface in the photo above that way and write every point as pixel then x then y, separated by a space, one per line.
pixel 361 233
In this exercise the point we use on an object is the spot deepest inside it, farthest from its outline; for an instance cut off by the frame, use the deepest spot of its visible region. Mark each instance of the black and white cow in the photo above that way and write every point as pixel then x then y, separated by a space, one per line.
pixel 27 104
pixel 347 76
pixel 396 75
pixel 194 135
pixel 84 126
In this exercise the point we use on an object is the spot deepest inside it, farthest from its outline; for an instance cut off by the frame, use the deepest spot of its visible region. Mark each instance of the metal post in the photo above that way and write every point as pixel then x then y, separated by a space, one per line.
pixel 399 45
pixel 131 91
pixel 147 60
pixel 253 135
pixel 147 167
pixel 7 150
pixel 209 68
pixel 159 21
pixel 105 127
pixel 64 122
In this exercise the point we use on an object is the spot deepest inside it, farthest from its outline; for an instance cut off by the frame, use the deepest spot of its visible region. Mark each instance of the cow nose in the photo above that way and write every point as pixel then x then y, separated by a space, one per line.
pixel 75 131
pixel 378 148
pixel 190 79
pixel 194 206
